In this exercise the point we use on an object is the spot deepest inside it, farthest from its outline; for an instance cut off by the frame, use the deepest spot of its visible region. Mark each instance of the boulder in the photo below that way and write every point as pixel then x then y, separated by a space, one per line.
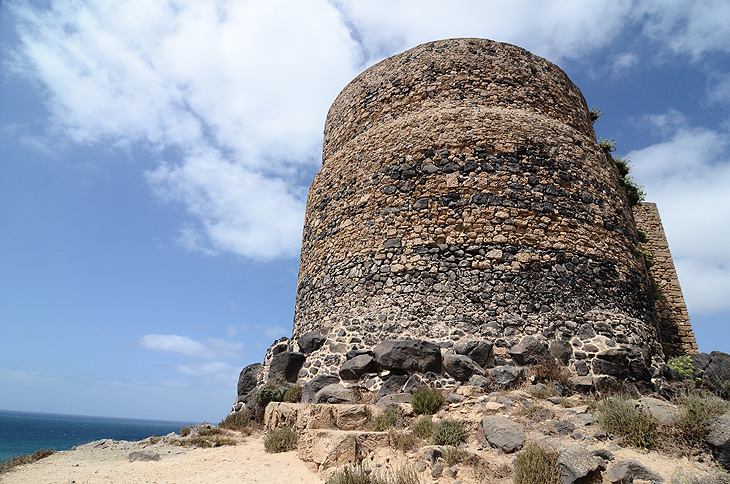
pixel 613 361
pixel 312 340
pixel 717 372
pixel 394 384
pixel 480 381
pixel 461 367
pixel 332 448
pixel 506 376
pixel 286 365
pixel 408 355
pixel 700 361
pixel 310 389
pixel 335 393
pixel 394 400
pixel 659 409
pixel 144 455
pixel 626 471
pixel 356 367
pixel 718 439
pixel 248 378
pixel 478 350
pixel 561 350
pixel 583 384
pixel 575 463
pixel 503 433
pixel 528 351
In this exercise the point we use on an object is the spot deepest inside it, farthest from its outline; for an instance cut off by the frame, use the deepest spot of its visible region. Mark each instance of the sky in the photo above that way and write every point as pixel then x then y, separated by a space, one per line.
pixel 155 158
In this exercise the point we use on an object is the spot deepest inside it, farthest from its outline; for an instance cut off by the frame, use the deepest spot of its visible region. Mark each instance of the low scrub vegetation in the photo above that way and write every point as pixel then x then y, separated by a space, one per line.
pixel 281 440
pixel 536 465
pixel 454 455
pixel 695 412
pixel 549 371
pixel 427 401
pixel 449 432
pixel 240 421
pixel 423 427
pixel 620 416
pixel 387 419
pixel 22 459
pixel 681 476
pixel 358 474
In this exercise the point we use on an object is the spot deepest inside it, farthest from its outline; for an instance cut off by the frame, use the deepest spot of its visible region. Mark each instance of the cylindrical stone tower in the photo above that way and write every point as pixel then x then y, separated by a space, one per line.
pixel 463 195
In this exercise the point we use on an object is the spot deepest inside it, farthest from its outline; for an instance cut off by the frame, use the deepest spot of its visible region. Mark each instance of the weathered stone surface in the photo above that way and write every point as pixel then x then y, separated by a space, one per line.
pixel 331 448
pixel 575 463
pixel 627 471
pixel 351 417
pixel 310 388
pixel 719 439
pixel 408 355
pixel 506 376
pixel 481 382
pixel 528 351
pixel 248 378
pixel 503 433
pixel 717 371
pixel 511 218
pixel 583 384
pixel 461 367
pixel 356 367
pixel 312 340
pixel 395 383
pixel 335 393
pixel 661 410
pixel 144 456
pixel 478 350
pixel 286 365
pixel 394 399
pixel 700 361
pixel 561 350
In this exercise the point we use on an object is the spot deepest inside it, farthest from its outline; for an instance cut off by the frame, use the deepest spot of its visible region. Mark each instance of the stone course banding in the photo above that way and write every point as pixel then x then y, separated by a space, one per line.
pixel 463 195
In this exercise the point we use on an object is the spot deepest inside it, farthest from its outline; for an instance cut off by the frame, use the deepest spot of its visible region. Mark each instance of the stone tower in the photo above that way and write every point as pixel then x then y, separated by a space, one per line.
pixel 463 195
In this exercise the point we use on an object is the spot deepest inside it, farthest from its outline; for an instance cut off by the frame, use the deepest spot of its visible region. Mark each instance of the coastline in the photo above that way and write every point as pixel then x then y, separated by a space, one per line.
pixel 106 461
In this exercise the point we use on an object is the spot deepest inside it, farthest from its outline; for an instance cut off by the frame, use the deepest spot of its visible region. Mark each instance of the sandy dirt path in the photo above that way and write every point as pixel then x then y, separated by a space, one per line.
pixel 245 463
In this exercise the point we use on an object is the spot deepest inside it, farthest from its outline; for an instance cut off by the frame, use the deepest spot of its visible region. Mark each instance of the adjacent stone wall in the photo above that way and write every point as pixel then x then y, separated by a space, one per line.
pixel 676 331
pixel 462 195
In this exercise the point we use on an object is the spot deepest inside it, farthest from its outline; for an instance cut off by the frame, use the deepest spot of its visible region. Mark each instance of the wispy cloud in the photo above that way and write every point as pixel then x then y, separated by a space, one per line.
pixel 215 369
pixel 687 174
pixel 210 348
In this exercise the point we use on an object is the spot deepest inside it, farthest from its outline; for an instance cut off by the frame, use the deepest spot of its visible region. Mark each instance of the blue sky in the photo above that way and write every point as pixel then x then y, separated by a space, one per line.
pixel 155 158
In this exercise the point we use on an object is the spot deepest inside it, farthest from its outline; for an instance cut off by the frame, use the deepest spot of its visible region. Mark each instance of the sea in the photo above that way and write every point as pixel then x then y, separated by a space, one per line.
pixel 26 432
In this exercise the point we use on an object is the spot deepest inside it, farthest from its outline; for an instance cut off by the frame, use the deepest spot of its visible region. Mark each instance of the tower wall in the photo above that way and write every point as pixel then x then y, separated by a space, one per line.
pixel 462 194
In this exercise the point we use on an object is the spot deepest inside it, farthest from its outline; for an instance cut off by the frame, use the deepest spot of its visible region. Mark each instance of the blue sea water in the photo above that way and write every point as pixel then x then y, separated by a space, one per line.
pixel 25 432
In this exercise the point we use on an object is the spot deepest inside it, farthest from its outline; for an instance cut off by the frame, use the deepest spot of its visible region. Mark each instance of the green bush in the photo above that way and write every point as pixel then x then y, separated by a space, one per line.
pixel 240 421
pixel 293 394
pixel 281 440
pixel 695 411
pixel 536 465
pixel 543 393
pixel 427 401
pixel 449 432
pixel 454 455
pixel 6 465
pixel 620 416
pixel 407 441
pixel 423 427
pixel 683 368
pixel 607 145
pixel 358 474
pixel 386 419
pixel 271 391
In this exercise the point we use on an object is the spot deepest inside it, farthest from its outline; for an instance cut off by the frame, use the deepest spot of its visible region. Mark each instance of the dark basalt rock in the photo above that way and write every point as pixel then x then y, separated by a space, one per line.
pixel 335 393
pixel 461 367
pixel 627 471
pixel 408 355
pixel 528 351
pixel 354 368
pixel 503 433
pixel 394 384
pixel 717 371
pixel 248 378
pixel 561 350
pixel 286 365
pixel 310 389
pixel 478 350
pixel 312 340
pixel 506 376
pixel 718 439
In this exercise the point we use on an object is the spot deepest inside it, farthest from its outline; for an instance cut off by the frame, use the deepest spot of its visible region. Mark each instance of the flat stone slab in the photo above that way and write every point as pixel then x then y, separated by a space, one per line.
pixel 332 448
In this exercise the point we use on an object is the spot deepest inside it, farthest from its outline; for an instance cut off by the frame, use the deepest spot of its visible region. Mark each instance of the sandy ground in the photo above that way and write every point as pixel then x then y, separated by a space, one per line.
pixel 244 463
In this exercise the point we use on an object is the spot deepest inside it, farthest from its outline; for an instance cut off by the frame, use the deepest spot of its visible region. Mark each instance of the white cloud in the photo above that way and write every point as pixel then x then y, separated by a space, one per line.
pixel 240 89
pixel 624 62
pixel 276 332
pixel 215 369
pixel 211 348
pixel 688 175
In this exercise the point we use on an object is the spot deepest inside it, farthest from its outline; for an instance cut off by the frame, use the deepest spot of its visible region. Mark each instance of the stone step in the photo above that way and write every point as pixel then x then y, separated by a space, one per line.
pixel 307 416
pixel 332 448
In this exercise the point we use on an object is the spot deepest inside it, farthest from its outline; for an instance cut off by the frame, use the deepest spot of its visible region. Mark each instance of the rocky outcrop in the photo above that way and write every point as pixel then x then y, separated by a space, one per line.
pixel 461 367
pixel 286 365
pixel 249 378
pixel 408 355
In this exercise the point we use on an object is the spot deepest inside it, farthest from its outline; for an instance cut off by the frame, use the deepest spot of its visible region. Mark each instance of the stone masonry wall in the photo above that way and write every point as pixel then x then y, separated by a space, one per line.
pixel 676 331
pixel 463 195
